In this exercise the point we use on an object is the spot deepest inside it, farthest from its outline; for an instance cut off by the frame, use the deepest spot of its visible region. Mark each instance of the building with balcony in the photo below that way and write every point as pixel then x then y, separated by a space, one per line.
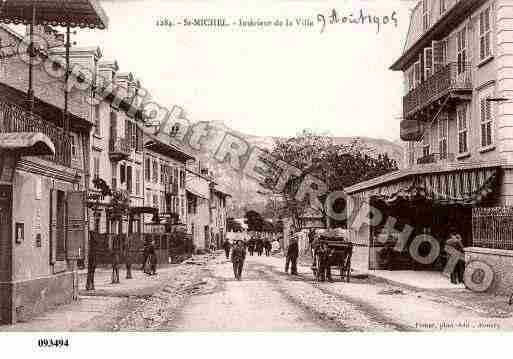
pixel 116 151
pixel 43 178
pixel 457 127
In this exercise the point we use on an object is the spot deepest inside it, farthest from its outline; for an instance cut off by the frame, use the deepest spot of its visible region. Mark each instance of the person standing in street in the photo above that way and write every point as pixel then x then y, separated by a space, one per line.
pixel 292 254
pixel 456 243
pixel 227 246
pixel 238 257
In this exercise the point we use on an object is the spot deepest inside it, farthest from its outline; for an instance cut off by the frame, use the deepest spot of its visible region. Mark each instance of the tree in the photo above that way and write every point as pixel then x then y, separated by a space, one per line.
pixel 254 221
pixel 337 165
pixel 233 226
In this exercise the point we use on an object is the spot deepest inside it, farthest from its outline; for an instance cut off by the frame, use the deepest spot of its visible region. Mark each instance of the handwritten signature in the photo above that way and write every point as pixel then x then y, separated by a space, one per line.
pixel 361 18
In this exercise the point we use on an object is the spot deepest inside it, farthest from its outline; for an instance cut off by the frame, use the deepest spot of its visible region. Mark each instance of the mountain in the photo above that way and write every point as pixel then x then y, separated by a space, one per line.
pixel 244 191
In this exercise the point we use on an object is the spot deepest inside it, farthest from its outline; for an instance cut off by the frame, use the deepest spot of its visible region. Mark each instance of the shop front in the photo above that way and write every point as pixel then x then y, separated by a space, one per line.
pixel 406 204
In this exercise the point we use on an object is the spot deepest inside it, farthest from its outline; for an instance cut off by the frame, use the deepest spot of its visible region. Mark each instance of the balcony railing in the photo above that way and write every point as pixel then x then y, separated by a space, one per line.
pixel 119 148
pixel 451 78
pixel 436 157
pixel 14 118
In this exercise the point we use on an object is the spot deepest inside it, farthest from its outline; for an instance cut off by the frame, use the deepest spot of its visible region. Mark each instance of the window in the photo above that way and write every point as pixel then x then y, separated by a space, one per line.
pixel 443 6
pixel 428 62
pixel 148 198
pixel 114 176
pixel 486 123
pixel 182 205
pixel 137 182
pixel 129 179
pixel 426 144
pixel 425 15
pixel 122 176
pixel 147 169
pixel 61 226
pixel 461 114
pixel 162 203
pixel 443 124
pixel 484 34
pixel 176 175
pixel 462 50
pixel 96 167
pixel 162 174
pixel 155 171
pixel 74 148
pixel 155 201
pixel 97 123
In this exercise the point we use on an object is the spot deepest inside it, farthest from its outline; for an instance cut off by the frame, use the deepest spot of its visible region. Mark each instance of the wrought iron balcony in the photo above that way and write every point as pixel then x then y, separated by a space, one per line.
pixel 450 79
pixel 119 149
pixel 436 158
pixel 14 118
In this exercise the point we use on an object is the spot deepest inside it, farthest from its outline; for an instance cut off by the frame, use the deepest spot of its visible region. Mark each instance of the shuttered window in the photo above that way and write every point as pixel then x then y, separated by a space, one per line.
pixel 147 169
pixel 425 15
pixel 486 122
pixel 443 129
pixel 137 182
pixel 462 50
pixel 155 174
pixel 484 34
pixel 462 128
pixel 75 236
pixel 428 62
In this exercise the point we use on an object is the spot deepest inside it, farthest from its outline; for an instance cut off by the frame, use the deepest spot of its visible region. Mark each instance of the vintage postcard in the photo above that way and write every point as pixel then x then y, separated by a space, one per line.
pixel 291 166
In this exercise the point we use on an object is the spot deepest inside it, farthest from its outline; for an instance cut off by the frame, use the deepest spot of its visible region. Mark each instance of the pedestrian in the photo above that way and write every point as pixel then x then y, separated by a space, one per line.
pixel 238 257
pixel 227 245
pixel 152 258
pixel 267 247
pixel 259 246
pixel 146 253
pixel 324 254
pixel 251 245
pixel 292 254
pixel 456 244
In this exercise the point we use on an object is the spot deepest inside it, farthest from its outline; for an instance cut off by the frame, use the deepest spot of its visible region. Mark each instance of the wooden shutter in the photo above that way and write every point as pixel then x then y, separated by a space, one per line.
pixel 428 62
pixel 76 225
pixel 53 226
pixel 438 56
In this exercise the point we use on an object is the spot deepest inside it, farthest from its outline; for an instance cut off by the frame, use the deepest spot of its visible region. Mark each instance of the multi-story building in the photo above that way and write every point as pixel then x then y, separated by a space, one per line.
pixel 198 205
pixel 43 173
pixel 164 184
pixel 457 122
pixel 116 153
pixel 206 207
pixel 218 197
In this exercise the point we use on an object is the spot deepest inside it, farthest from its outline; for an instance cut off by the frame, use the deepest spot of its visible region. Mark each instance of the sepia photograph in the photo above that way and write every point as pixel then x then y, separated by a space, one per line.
pixel 269 166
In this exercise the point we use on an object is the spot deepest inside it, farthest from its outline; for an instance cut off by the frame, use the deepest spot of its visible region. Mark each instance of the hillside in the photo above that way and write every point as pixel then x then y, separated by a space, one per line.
pixel 244 190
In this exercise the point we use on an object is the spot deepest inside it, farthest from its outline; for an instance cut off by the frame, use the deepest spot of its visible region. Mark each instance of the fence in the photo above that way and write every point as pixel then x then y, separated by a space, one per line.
pixel 493 227
pixel 174 246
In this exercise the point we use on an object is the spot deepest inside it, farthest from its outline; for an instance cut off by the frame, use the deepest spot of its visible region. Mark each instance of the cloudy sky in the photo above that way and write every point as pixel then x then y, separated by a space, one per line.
pixel 273 81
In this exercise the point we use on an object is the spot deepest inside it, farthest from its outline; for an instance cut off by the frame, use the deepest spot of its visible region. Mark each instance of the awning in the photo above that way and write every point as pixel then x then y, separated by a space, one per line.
pixel 195 193
pixel 464 188
pixel 75 13
pixel 27 143
pixel 140 210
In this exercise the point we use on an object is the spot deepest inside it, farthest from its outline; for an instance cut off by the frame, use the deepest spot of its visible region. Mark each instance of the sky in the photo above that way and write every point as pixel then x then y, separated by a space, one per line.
pixel 272 81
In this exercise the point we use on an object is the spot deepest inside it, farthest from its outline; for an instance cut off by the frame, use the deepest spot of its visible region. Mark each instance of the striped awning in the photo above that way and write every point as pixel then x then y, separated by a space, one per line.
pixel 27 143
pixel 465 187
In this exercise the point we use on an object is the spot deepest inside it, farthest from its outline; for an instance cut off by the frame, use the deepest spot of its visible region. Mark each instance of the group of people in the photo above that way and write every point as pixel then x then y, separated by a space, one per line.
pixel 259 245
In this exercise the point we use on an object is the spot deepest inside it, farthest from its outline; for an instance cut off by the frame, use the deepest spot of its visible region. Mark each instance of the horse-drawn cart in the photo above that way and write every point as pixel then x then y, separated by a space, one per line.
pixel 339 256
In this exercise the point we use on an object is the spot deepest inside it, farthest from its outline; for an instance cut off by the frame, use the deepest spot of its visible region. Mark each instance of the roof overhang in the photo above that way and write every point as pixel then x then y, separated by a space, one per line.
pixel 75 13
pixel 27 143
pixel 196 193
pixel 450 20
pixel 167 149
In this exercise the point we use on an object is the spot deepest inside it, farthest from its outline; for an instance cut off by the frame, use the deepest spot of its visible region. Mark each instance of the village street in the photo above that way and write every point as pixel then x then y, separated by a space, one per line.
pixel 201 294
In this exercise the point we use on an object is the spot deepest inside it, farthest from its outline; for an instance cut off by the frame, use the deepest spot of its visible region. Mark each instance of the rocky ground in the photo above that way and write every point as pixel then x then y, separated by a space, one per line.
pixel 202 295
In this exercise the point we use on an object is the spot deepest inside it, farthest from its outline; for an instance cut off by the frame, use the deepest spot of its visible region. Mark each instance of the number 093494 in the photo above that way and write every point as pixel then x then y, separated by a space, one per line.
pixel 49 343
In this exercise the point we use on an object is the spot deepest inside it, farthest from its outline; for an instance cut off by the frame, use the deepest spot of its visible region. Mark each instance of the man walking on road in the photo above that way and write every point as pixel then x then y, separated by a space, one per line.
pixel 227 245
pixel 238 257
pixel 292 254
